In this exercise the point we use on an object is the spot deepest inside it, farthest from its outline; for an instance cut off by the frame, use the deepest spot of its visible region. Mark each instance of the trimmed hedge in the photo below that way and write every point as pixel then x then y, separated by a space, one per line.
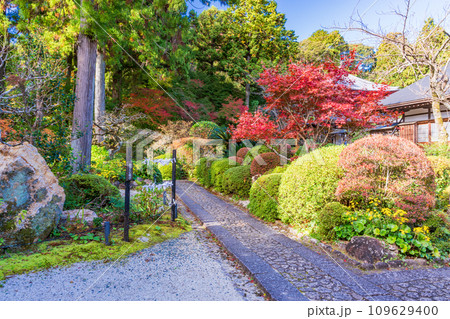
pixel 237 180
pixel 242 152
pixel 218 168
pixel 259 149
pixel 280 169
pixel 308 184
pixel 264 162
pixel 237 159
pixel 329 217
pixel 264 197
pixel 88 191
pixel 203 171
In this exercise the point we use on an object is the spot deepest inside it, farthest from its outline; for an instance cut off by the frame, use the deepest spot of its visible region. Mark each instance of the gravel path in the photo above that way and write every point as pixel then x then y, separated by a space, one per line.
pixel 191 267
pixel 314 275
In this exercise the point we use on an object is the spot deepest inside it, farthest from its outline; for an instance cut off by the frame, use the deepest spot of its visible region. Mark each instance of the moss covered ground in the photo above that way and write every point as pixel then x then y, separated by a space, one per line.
pixel 59 253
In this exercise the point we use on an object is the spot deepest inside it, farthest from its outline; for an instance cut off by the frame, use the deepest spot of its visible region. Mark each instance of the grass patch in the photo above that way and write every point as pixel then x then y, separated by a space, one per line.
pixel 66 252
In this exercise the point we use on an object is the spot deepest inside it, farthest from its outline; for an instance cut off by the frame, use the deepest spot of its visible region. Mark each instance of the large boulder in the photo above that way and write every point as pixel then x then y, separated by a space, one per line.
pixel 367 249
pixel 32 200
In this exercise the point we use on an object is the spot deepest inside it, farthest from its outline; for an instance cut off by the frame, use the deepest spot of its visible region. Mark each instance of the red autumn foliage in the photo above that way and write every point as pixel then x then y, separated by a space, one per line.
pixel 263 163
pixel 155 103
pixel 389 168
pixel 310 100
pixel 255 127
pixel 242 152
pixel 5 127
pixel 232 109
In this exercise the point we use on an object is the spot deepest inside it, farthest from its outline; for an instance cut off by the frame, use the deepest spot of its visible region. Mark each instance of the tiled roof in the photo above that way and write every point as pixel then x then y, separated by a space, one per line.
pixel 417 92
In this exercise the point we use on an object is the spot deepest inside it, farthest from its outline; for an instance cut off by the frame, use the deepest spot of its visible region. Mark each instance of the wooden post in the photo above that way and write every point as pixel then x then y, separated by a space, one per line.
pixel 174 180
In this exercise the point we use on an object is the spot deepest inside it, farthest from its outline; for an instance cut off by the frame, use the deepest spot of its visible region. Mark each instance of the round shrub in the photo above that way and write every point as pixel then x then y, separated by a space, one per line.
pixel 280 169
pixel 254 151
pixel 329 217
pixel 264 162
pixel 203 171
pixel 237 180
pixel 203 129
pixel 392 169
pixel 217 169
pixel 166 171
pixel 242 152
pixel 237 159
pixel 264 197
pixel 88 191
pixel 439 164
pixel 309 184
pixel 148 171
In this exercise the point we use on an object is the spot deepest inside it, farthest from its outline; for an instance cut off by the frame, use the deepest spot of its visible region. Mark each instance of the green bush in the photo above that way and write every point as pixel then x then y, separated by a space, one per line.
pixel 440 164
pixel 280 169
pixel 437 149
pixel 329 217
pixel 308 184
pixel 203 129
pixel 203 171
pixel 148 171
pixel 166 171
pixel 264 197
pixel 259 149
pixel 441 167
pixel 111 169
pixel 237 180
pixel 439 230
pixel 217 169
pixel 88 191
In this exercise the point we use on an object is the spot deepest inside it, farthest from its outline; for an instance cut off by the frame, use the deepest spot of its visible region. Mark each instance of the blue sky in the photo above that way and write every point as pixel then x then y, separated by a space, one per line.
pixel 307 16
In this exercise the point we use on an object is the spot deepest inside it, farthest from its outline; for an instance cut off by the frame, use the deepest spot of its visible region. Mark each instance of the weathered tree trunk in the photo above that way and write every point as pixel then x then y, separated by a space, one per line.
pixel 436 107
pixel 436 104
pixel 83 112
pixel 99 103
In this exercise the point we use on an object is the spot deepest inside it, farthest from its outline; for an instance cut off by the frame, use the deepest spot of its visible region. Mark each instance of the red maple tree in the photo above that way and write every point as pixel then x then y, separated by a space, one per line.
pixel 155 103
pixel 310 100
pixel 257 126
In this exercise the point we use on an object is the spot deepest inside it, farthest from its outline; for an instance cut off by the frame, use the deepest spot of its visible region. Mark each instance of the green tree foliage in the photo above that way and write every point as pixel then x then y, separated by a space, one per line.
pixel 388 58
pixel 240 40
pixel 322 46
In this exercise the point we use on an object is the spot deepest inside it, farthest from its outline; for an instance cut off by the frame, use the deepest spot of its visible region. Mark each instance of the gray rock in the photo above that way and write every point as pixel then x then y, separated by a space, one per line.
pixel 366 249
pixel 143 239
pixel 83 215
pixel 32 198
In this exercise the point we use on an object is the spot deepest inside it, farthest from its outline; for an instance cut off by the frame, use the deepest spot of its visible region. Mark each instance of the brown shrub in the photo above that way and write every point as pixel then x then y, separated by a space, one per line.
pixel 263 163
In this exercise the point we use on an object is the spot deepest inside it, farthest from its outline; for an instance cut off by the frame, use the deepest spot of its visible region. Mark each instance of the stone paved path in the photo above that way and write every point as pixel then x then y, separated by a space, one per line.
pixel 317 277
pixel 191 267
